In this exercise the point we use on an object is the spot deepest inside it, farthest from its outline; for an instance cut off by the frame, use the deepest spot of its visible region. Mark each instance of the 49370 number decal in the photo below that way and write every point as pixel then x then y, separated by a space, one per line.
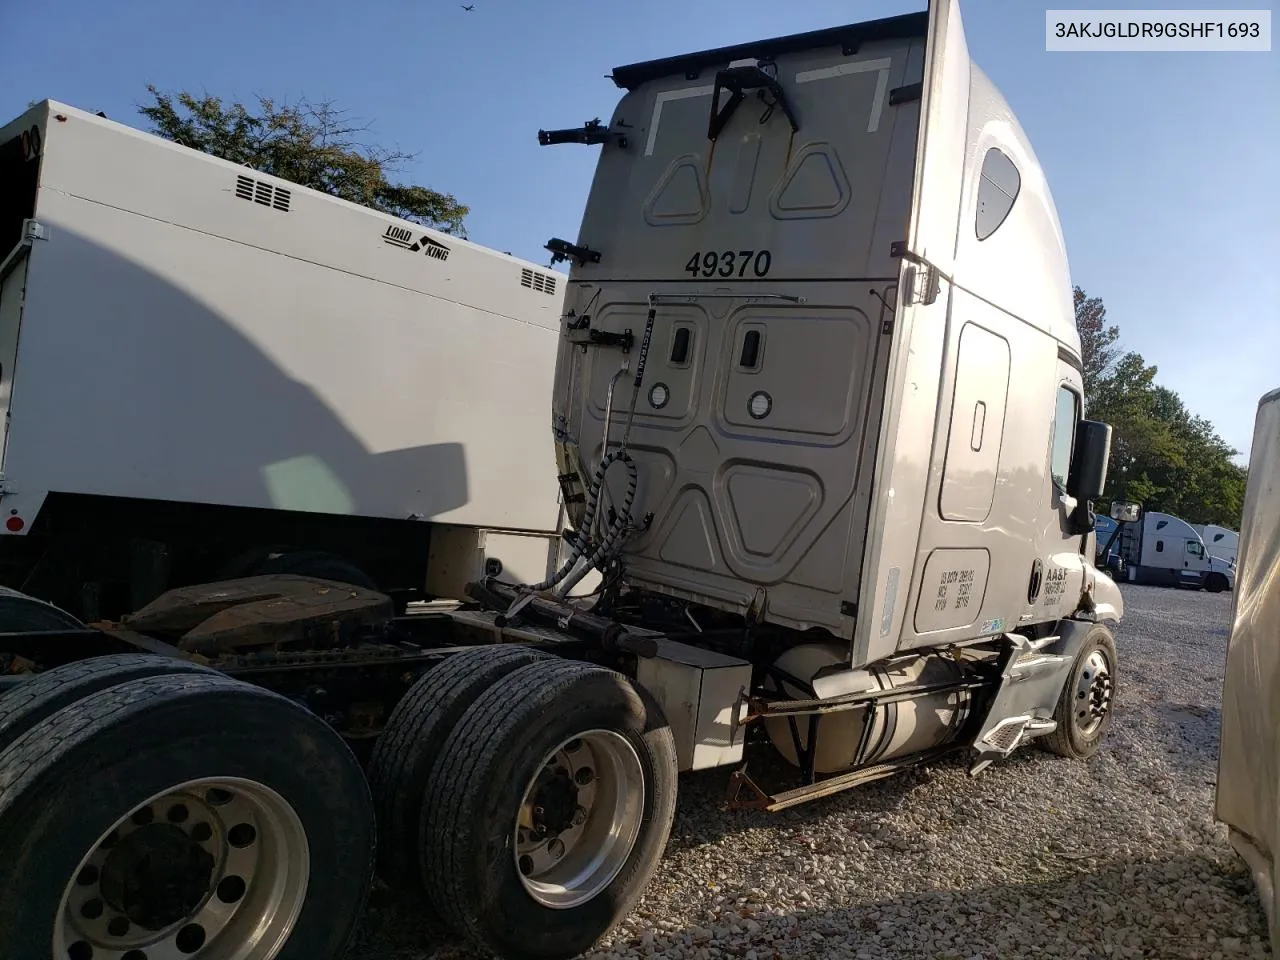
pixel 727 263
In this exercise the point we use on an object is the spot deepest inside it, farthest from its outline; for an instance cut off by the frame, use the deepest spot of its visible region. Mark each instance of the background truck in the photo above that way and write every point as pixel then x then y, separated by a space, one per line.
pixel 1108 556
pixel 1161 549
pixel 209 372
pixel 1248 784
pixel 1218 541
pixel 817 410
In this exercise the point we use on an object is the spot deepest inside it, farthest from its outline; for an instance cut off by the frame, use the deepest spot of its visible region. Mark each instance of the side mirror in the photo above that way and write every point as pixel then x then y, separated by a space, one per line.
pixel 1088 475
pixel 1125 511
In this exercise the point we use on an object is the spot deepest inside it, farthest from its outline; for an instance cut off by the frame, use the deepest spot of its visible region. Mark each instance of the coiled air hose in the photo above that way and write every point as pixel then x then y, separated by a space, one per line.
pixel 582 541
pixel 622 521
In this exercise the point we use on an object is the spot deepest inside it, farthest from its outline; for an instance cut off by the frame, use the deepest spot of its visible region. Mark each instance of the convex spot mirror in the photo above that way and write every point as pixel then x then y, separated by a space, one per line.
pixel 1088 475
pixel 1125 511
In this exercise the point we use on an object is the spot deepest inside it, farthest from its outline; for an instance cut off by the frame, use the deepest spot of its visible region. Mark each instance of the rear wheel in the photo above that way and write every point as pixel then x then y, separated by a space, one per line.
pixel 1084 709
pixel 48 692
pixel 548 810
pixel 176 816
pixel 414 737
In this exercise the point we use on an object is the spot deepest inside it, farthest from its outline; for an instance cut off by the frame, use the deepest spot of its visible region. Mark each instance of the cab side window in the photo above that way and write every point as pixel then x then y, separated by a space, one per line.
pixel 998 186
pixel 1064 435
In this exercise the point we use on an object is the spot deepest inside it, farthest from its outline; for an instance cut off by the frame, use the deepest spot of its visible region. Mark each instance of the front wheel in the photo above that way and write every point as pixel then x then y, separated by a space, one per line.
pixel 548 810
pixel 1216 582
pixel 1084 708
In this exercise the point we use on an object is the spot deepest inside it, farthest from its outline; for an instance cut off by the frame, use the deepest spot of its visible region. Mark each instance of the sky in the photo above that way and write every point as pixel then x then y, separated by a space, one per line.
pixel 1163 165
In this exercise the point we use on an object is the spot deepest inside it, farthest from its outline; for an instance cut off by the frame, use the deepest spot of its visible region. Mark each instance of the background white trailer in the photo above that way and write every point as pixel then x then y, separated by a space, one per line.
pixel 207 371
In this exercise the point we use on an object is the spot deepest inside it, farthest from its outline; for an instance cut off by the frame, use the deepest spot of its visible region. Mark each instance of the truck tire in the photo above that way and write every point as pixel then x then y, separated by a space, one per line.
pixel 46 693
pixel 548 810
pixel 415 735
pixel 1216 582
pixel 182 815
pixel 1084 709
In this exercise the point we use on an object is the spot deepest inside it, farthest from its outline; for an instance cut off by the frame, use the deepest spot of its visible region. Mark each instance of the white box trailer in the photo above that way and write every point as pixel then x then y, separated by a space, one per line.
pixel 1248 789
pixel 207 371
pixel 818 414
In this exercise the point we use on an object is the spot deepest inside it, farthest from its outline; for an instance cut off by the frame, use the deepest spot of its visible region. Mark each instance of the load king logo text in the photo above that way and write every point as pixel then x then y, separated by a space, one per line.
pixel 403 238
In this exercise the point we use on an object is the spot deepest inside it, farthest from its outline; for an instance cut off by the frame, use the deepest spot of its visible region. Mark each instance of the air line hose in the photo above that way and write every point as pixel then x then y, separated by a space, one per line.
pixel 622 521
pixel 581 541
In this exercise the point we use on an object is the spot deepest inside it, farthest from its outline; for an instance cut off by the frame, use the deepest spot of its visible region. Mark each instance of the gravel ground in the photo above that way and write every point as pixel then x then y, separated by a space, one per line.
pixel 1036 857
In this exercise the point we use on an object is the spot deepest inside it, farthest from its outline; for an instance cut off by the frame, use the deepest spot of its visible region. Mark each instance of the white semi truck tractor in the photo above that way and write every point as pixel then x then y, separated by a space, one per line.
pixel 818 418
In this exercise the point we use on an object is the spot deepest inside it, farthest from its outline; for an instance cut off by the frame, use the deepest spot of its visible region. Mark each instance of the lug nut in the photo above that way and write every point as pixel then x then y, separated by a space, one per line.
pixel 579 817
pixel 584 776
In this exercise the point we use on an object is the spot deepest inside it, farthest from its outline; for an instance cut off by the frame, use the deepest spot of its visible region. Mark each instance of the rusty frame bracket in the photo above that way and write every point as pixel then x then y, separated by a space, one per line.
pixel 741 780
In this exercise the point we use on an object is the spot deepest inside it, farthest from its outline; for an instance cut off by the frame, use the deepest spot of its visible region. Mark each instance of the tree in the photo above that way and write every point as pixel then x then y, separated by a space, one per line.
pixel 1125 399
pixel 1200 483
pixel 1162 455
pixel 311 144
pixel 1097 341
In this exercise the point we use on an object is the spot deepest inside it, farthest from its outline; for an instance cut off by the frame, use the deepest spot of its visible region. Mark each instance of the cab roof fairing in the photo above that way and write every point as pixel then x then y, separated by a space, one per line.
pixel 988 109
pixel 849 37
pixel 991 117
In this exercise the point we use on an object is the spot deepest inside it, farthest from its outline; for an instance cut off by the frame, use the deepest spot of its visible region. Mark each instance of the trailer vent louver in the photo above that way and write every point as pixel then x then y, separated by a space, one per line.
pixel 537 281
pixel 259 191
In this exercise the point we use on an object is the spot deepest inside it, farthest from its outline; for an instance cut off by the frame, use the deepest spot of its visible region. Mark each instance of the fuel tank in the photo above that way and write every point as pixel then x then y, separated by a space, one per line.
pixel 898 729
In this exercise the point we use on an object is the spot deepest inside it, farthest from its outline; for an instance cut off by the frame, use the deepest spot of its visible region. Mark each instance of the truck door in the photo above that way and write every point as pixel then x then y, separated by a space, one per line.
pixel 1195 565
pixel 1057 575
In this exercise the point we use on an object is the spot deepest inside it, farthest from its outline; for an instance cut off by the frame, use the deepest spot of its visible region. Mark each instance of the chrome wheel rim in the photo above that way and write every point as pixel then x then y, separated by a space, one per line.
pixel 1093 693
pixel 579 819
pixel 214 868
